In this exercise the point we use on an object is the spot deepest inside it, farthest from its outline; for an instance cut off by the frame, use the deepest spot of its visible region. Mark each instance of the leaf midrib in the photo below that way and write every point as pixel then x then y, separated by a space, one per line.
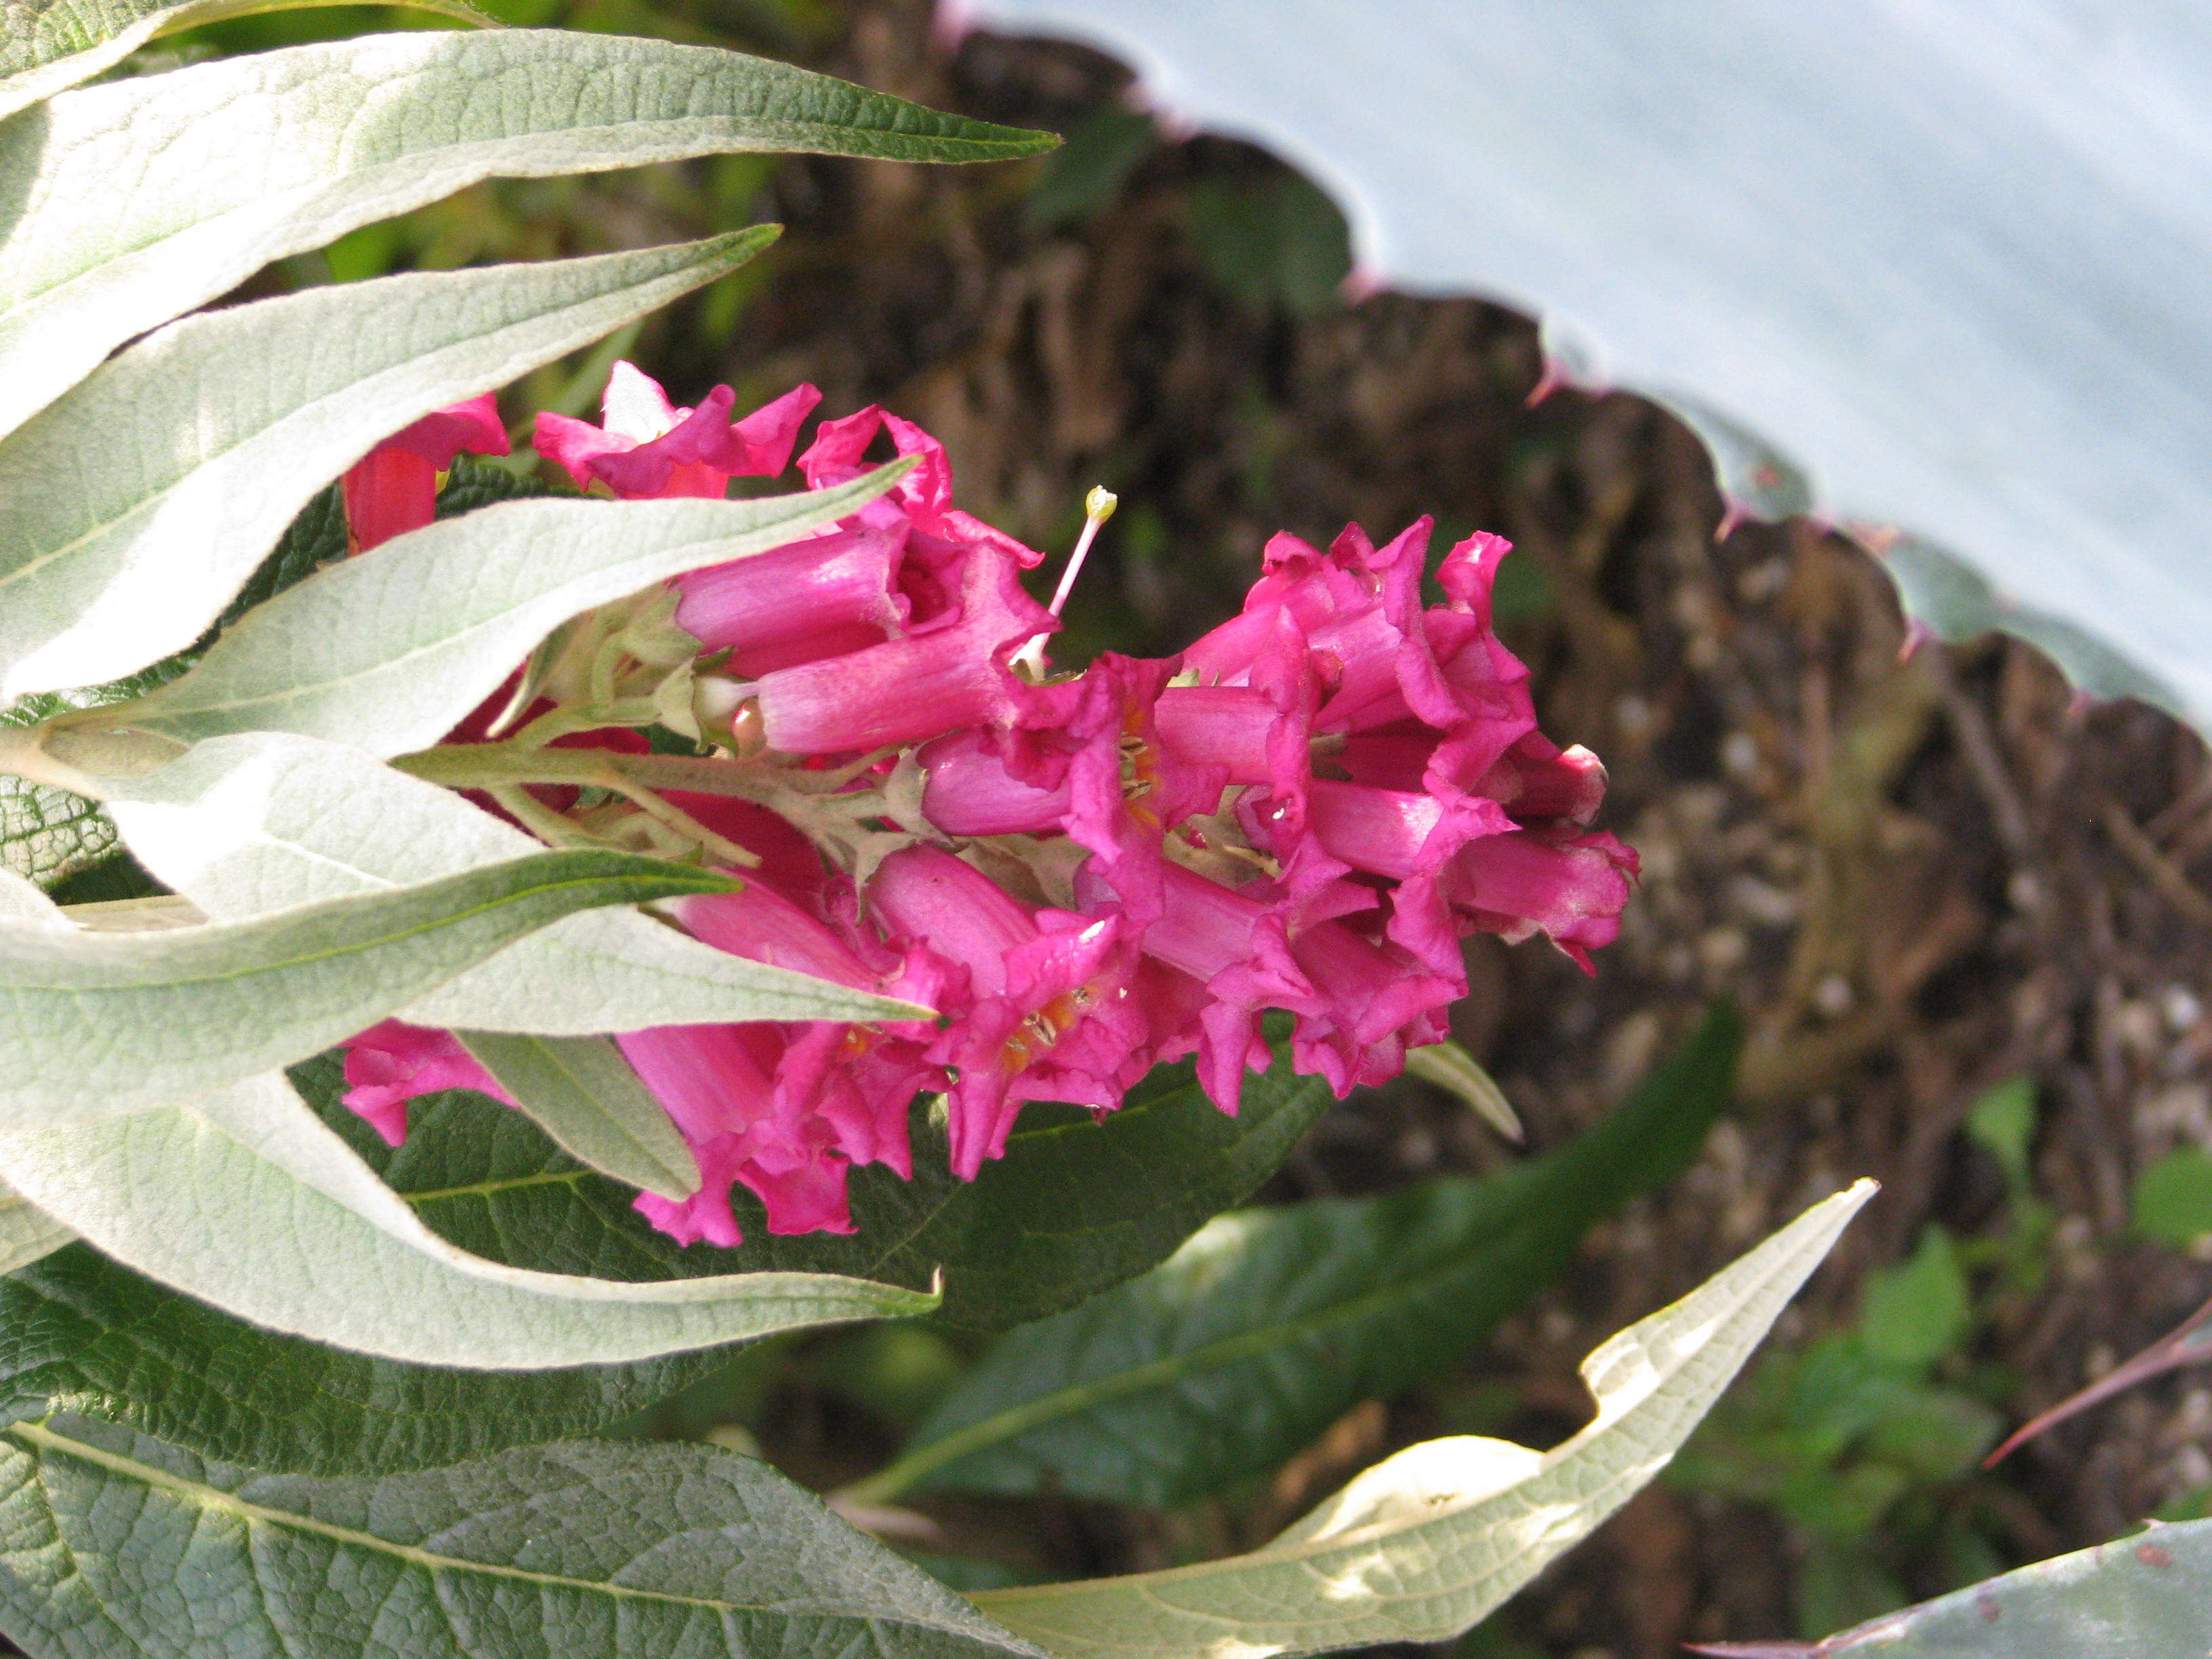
pixel 164 710
pixel 354 947
pixel 1171 1368
pixel 350 392
pixel 210 1498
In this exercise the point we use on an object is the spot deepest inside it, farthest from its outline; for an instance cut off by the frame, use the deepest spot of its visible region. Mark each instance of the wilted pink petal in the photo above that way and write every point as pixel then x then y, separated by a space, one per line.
pixel 649 449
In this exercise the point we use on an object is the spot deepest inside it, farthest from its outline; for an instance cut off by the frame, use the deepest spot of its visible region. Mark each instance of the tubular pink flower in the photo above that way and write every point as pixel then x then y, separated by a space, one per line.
pixel 951 673
pixel 650 449
pixel 1395 833
pixel 717 1082
pixel 1236 947
pixel 786 1107
pixel 1378 1003
pixel 394 487
pixel 392 1062
pixel 941 535
pixel 824 597
pixel 1089 762
pixel 1047 1013
pixel 1573 886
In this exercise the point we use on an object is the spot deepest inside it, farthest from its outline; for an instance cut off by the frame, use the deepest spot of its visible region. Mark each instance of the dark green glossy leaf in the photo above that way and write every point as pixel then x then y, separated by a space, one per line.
pixel 79 1333
pixel 1271 1323
pixel 115 1543
pixel 1073 1207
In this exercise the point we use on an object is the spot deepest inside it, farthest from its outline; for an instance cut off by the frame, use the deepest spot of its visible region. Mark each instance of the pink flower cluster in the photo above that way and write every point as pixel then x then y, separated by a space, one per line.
pixel 1306 811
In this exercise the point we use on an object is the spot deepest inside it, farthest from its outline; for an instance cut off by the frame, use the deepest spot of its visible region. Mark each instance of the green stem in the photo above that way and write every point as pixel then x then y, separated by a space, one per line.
pixel 487 765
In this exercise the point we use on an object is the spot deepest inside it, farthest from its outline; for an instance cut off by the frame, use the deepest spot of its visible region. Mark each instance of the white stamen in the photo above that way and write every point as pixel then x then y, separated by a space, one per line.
pixel 1098 507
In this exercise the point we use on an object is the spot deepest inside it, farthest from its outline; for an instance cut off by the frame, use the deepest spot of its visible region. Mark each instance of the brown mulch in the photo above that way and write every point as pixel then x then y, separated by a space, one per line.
pixel 1917 879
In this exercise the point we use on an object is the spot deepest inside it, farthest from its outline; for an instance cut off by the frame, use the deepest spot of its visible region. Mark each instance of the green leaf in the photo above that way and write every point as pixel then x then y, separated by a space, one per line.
pixel 148 197
pixel 2002 1120
pixel 1460 1074
pixel 79 1331
pixel 89 1335
pixel 27 1232
pixel 1074 1207
pixel 245 1200
pixel 96 1023
pixel 1425 1544
pixel 583 1093
pixel 2172 1201
pixel 49 834
pixel 413 634
pixel 1917 1313
pixel 1270 1324
pixel 116 1544
pixel 186 455
pixel 49 44
pixel 2139 1597
pixel 262 820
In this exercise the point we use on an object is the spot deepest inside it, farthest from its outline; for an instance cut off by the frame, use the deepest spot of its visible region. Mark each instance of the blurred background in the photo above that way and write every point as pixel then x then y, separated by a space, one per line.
pixel 1967 917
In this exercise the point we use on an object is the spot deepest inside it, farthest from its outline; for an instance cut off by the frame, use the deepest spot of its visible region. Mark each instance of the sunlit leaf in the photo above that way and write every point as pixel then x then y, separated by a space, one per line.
pixel 1423 1545
pixel 92 1024
pixel 134 505
pixel 27 1232
pixel 122 206
pixel 411 636
pixel 245 1200
pixel 48 44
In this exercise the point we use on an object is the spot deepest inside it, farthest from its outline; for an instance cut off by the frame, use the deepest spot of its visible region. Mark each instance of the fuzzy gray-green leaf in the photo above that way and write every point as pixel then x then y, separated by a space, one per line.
pixel 48 44
pixel 388 650
pixel 583 1093
pixel 246 1200
pixel 92 1024
pixel 127 204
pixel 1425 1543
pixel 134 505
